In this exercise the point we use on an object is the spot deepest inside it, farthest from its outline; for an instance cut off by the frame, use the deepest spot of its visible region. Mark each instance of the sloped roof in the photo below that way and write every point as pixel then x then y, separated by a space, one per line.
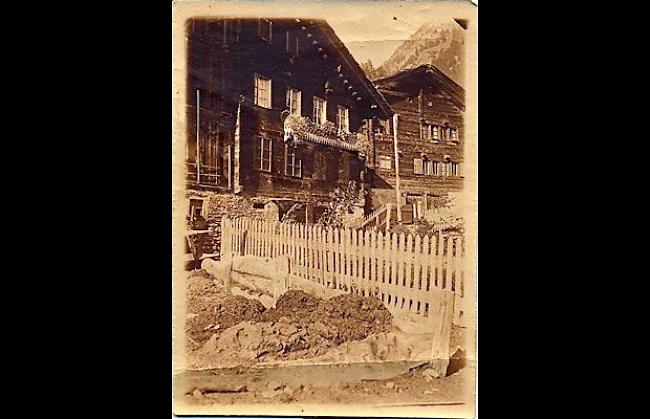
pixel 352 67
pixel 411 80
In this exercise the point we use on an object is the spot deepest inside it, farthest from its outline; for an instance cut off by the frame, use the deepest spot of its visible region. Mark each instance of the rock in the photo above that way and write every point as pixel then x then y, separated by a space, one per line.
pixel 288 330
pixel 197 393
pixel 217 327
pixel 274 385
pixel 390 385
pixel 268 394
pixel 430 372
pixel 288 390
pixel 344 386
pixel 428 378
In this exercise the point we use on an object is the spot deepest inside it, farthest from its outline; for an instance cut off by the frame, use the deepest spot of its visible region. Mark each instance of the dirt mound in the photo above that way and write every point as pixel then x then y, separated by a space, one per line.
pixel 233 330
pixel 345 317
pixel 211 310
pixel 248 342
pixel 300 326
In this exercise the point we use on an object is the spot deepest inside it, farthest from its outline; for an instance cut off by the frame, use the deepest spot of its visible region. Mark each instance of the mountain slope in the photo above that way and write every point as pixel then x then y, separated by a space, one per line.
pixel 439 44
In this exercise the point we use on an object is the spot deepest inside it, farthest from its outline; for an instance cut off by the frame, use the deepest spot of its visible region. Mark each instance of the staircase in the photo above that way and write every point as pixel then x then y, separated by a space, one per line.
pixel 383 217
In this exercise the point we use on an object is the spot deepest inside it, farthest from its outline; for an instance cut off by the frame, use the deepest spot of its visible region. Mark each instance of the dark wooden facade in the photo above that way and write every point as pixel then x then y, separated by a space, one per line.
pixel 225 56
pixel 430 130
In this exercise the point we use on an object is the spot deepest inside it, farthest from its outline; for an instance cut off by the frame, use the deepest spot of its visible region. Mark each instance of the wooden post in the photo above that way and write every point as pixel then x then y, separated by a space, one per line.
pixel 398 194
pixel 235 181
pixel 442 309
pixel 389 212
pixel 282 284
pixel 198 141
pixel 229 166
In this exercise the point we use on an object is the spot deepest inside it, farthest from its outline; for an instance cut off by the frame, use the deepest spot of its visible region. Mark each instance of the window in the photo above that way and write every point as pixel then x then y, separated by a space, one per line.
pixel 418 168
pixel 262 91
pixel 293 163
pixel 196 208
pixel 343 119
pixel 265 29
pixel 292 44
pixel 385 162
pixel 435 168
pixel 263 155
pixel 320 111
pixel 294 97
pixel 435 133
pixel 455 169
pixel 425 131
pixel 445 133
pixel 426 166
pixel 446 169
pixel 454 135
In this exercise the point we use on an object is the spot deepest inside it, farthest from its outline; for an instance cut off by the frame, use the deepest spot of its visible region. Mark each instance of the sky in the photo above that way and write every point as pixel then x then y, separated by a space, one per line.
pixel 370 30
pixel 375 32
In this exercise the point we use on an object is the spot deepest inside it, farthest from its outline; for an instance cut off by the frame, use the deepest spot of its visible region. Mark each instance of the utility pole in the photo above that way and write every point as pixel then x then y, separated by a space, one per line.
pixel 398 194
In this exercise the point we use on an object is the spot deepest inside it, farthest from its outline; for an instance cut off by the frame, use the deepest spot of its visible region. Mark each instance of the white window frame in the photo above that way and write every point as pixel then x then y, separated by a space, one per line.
pixel 435 133
pixel 292 162
pixel 446 168
pixel 454 135
pixel 263 102
pixel 425 131
pixel 294 101
pixel 426 167
pixel 385 159
pixel 262 149
pixel 319 117
pixel 343 119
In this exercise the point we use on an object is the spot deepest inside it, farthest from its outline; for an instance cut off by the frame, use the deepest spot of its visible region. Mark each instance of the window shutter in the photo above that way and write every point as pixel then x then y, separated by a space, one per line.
pixel 417 166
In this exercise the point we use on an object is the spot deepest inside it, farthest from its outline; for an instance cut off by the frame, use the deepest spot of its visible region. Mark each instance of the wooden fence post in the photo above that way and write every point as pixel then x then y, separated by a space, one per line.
pixel 282 283
pixel 442 305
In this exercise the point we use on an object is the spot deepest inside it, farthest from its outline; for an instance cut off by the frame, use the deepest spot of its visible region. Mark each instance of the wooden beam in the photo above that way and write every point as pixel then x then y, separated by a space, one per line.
pixel 198 142
pixel 397 188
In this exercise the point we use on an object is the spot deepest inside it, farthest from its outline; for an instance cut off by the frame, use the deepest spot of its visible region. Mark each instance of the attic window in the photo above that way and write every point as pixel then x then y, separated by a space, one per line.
pixel 292 43
pixel 265 29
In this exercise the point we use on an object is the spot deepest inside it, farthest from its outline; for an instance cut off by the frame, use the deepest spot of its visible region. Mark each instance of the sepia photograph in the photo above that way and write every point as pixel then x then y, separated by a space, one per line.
pixel 324 197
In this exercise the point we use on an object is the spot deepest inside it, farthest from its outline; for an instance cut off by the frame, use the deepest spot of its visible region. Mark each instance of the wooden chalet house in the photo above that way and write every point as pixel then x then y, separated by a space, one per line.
pixel 428 108
pixel 276 108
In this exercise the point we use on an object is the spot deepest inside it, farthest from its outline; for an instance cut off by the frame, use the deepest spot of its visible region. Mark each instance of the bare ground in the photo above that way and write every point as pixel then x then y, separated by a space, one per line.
pixel 236 336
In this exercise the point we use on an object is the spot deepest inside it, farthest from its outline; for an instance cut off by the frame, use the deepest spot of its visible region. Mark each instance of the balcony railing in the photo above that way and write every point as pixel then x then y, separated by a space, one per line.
pixel 299 129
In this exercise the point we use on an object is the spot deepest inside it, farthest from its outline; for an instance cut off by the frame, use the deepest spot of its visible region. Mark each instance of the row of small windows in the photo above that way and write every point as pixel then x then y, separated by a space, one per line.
pixel 292 42
pixel 424 166
pixel 293 103
pixel 432 132
pixel 229 31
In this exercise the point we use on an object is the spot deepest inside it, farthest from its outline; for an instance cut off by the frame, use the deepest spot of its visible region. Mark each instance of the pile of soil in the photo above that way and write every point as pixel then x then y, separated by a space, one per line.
pixel 345 317
pixel 211 310
pixel 301 326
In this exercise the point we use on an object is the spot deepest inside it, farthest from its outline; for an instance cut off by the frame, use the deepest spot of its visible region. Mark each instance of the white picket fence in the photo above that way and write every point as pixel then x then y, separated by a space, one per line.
pixel 406 273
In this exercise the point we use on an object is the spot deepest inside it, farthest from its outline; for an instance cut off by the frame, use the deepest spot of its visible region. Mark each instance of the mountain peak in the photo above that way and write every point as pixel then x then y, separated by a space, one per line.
pixel 439 44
